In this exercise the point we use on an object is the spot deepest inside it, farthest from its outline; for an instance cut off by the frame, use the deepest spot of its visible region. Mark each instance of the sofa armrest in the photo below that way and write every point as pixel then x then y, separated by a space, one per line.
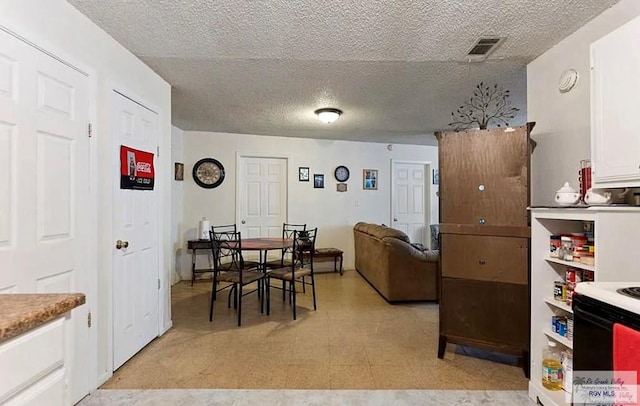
pixel 432 255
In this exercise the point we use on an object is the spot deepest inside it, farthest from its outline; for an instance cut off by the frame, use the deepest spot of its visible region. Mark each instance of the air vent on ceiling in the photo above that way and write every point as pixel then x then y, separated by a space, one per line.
pixel 483 47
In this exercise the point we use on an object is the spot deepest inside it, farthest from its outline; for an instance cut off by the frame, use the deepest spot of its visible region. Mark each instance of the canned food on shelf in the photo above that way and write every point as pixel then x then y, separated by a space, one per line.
pixel 560 291
pixel 554 245
pixel 567 247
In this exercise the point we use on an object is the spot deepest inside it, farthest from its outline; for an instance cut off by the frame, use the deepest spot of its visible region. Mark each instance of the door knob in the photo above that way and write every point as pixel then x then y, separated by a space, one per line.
pixel 243 222
pixel 121 244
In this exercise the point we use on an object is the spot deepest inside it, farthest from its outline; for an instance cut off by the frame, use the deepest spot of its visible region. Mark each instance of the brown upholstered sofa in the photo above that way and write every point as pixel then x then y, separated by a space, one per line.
pixel 395 268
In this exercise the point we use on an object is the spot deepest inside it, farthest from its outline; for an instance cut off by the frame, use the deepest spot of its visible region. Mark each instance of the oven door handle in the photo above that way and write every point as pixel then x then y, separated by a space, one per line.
pixel 600 321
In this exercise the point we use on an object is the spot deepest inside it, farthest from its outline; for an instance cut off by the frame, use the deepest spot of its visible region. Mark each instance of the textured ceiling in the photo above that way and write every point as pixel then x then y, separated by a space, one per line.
pixel 396 68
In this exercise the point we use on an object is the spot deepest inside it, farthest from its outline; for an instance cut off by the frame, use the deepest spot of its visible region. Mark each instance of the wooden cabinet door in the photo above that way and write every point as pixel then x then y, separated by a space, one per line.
pixel 484 177
pixel 485 258
pixel 615 95
pixel 489 314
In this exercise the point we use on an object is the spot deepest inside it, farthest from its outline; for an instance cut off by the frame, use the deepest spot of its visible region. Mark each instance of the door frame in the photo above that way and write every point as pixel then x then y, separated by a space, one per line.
pixel 107 243
pixel 239 156
pixel 427 190
pixel 91 296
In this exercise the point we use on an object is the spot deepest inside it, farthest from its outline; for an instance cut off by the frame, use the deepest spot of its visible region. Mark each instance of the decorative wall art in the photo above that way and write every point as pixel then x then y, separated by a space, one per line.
pixel 370 179
pixel 487 105
pixel 178 171
pixel 318 181
pixel 303 174
pixel 341 187
pixel 136 169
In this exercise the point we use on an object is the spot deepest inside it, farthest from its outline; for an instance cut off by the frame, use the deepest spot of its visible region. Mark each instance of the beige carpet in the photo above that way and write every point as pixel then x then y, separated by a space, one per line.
pixel 355 340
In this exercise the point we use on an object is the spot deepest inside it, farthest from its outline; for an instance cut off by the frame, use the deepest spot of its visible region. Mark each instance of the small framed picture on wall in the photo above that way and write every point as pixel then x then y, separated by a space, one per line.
pixel 178 171
pixel 303 174
pixel 318 181
pixel 370 179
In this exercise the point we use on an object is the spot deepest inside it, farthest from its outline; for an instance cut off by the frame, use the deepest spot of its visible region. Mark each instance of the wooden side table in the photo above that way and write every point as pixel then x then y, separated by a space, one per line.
pixel 194 246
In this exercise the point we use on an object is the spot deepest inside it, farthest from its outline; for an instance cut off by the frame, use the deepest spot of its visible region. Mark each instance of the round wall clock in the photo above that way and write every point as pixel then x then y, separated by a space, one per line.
pixel 342 173
pixel 208 173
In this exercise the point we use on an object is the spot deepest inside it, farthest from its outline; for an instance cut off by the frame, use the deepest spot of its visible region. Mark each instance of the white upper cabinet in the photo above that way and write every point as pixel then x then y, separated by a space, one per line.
pixel 615 107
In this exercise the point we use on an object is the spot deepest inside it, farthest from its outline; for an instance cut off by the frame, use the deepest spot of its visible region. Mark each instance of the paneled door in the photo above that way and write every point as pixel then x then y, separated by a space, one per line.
pixel 46 223
pixel 135 216
pixel 410 200
pixel 262 189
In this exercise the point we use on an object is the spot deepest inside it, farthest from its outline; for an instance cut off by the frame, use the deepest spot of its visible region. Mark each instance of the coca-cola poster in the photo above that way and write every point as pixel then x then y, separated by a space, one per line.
pixel 136 169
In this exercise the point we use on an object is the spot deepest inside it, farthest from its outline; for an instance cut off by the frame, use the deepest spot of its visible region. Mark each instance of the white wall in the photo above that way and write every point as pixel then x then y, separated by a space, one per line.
pixel 563 120
pixel 334 213
pixel 59 28
pixel 178 248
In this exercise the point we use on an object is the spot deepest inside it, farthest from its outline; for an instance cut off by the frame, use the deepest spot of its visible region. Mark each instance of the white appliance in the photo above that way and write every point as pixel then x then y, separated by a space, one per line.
pixel 624 295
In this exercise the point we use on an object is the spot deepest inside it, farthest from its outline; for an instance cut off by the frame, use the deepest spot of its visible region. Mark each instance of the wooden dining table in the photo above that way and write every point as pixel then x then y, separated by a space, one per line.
pixel 264 244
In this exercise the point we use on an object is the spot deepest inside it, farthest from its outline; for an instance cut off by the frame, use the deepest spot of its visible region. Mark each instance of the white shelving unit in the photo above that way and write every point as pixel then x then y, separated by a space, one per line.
pixel 558 305
pixel 558 338
pixel 617 232
pixel 571 263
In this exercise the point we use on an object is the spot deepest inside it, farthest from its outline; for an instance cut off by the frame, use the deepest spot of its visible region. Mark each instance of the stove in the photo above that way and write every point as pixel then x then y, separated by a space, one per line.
pixel 625 295
pixel 633 291
pixel 597 308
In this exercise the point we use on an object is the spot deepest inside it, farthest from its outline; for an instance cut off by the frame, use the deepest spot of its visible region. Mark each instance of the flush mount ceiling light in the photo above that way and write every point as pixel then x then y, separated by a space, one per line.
pixel 328 115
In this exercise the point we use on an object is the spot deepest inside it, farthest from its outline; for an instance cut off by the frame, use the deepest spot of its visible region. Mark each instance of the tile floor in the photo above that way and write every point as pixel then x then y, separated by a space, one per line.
pixel 355 340
pixel 207 397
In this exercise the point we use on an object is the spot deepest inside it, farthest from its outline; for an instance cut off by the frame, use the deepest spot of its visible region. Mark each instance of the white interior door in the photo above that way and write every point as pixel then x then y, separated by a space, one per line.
pixel 262 189
pixel 135 219
pixel 410 200
pixel 45 221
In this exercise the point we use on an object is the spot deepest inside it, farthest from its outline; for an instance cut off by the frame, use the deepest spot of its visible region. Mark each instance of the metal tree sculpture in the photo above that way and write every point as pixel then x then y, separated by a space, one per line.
pixel 487 105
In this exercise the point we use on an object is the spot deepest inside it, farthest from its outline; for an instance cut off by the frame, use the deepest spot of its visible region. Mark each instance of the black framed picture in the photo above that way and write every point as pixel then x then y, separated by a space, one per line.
pixel 303 174
pixel 318 181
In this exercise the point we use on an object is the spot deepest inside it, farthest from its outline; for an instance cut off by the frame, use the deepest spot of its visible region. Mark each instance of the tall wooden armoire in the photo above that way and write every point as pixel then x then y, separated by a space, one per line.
pixel 484 240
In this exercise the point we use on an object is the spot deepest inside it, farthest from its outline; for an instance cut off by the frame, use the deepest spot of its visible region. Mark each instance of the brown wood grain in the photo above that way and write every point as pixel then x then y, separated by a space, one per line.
pixel 494 159
pixel 484 226
pixel 493 313
pixel 496 259
pixel 473 229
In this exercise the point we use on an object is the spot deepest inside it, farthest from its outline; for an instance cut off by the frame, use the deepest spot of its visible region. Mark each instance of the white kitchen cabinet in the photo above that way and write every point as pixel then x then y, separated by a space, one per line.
pixel 32 367
pixel 615 107
pixel 617 230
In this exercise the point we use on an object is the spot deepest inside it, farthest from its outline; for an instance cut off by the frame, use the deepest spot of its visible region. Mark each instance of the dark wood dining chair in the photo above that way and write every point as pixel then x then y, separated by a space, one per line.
pixel 304 243
pixel 231 269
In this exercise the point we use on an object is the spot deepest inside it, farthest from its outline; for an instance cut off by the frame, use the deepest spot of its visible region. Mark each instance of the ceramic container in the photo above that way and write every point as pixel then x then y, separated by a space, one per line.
pixel 567 196
pixel 598 197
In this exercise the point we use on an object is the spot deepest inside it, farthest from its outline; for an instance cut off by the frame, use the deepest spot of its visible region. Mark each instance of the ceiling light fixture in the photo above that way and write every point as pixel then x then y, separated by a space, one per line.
pixel 328 115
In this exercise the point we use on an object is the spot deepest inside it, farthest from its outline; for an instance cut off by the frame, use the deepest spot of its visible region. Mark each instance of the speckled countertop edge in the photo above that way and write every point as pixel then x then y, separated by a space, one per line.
pixel 20 313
